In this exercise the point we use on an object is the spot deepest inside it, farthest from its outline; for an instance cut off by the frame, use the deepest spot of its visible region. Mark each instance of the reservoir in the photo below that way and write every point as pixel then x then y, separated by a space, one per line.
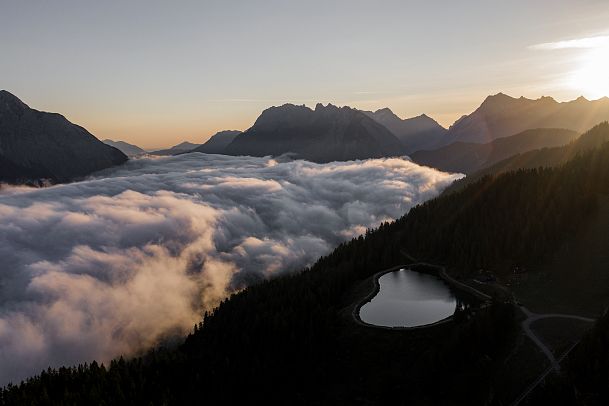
pixel 408 299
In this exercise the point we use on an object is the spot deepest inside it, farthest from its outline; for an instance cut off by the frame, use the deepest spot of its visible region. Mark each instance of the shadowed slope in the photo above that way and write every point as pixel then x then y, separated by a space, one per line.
pixel 501 116
pixel 218 142
pixel 467 157
pixel 416 133
pixel 36 145
pixel 322 135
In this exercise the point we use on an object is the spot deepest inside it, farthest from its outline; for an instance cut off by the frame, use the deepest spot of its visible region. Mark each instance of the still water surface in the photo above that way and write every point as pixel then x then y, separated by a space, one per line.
pixel 407 299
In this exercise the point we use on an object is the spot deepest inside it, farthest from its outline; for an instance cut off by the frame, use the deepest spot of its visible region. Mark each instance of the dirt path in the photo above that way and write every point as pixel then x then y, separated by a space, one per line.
pixel 532 317
pixel 554 362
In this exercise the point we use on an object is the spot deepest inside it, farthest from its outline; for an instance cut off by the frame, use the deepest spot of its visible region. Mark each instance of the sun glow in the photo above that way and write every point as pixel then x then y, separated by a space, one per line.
pixel 592 76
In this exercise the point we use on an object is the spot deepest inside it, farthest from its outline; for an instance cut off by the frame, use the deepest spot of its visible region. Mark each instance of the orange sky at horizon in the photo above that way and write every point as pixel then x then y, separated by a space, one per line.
pixel 154 74
pixel 151 133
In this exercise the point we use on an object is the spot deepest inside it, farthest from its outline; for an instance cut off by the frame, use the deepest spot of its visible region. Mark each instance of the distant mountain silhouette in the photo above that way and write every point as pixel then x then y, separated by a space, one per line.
pixel 177 149
pixel 467 157
pixel 501 116
pixel 125 147
pixel 218 142
pixel 544 157
pixel 326 134
pixel 416 133
pixel 36 145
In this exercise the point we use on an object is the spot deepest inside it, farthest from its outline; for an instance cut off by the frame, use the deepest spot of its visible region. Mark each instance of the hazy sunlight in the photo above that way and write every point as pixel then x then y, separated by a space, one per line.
pixel 592 77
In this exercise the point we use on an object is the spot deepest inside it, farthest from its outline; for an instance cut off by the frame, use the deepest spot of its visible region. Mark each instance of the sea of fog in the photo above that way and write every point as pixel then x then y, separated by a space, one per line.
pixel 115 263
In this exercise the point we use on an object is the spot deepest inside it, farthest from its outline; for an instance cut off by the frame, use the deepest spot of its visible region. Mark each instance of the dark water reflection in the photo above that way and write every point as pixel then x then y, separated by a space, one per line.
pixel 407 299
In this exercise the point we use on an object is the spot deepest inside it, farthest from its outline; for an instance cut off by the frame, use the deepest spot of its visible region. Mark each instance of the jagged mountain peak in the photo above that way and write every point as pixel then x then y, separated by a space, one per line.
pixel 327 133
pixel 501 115
pixel 328 107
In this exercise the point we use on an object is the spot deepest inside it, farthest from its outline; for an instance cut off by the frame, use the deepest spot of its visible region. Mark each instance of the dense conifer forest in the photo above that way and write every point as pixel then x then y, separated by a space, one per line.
pixel 289 341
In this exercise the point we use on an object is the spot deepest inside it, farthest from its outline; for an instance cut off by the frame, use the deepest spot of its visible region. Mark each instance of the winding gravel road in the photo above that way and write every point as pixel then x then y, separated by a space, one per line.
pixel 554 363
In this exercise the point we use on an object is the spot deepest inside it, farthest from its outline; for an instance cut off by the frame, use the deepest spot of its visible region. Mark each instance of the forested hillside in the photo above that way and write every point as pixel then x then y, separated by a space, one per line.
pixel 288 340
pixel 468 157
pixel 538 158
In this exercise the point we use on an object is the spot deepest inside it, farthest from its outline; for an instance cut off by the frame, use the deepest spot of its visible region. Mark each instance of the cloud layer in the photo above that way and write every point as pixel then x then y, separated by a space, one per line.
pixel 112 265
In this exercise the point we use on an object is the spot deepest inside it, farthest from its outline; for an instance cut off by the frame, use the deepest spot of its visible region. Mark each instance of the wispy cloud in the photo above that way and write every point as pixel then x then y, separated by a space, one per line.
pixel 577 43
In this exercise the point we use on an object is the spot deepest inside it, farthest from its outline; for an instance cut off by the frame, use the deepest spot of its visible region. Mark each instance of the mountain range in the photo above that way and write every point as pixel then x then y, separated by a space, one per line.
pixel 541 157
pixel 33 143
pixel 36 145
pixel 331 133
pixel 327 133
pixel 501 115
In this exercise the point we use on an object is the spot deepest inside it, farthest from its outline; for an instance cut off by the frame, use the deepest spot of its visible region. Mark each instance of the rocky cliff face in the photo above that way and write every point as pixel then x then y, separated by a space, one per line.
pixel 326 134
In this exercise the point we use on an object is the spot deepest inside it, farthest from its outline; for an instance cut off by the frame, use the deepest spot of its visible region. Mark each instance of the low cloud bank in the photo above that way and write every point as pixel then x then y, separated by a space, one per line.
pixel 113 264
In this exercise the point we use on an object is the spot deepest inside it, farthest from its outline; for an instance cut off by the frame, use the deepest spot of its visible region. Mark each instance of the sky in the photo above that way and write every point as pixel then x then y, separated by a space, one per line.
pixel 156 73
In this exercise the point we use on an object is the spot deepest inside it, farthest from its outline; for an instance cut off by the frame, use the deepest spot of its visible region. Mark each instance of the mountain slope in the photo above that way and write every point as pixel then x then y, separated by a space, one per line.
pixel 218 142
pixel 416 133
pixel 501 116
pixel 126 148
pixel 176 149
pixel 545 157
pixel 37 145
pixel 322 135
pixel 467 157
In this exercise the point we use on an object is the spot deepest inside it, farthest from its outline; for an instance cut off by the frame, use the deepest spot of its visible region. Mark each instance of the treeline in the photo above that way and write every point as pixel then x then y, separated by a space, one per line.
pixel 510 220
pixel 544 157
pixel 289 340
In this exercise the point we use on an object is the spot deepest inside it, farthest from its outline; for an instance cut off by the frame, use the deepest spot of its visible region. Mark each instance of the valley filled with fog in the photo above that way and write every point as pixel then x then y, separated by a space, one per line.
pixel 116 263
